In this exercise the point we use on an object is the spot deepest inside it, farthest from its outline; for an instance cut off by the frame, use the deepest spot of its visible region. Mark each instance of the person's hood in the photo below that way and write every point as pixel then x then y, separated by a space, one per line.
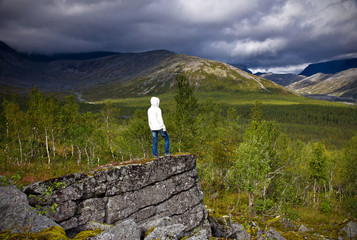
pixel 155 101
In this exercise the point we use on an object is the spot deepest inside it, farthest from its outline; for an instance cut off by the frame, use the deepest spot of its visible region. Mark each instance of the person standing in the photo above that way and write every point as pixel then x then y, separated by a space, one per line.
pixel 157 126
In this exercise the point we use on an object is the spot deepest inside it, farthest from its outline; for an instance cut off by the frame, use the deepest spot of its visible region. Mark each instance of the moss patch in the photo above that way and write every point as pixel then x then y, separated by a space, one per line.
pixel 52 233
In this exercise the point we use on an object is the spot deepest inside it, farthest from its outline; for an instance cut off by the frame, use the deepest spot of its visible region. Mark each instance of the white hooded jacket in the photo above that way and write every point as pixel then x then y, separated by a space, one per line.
pixel 154 115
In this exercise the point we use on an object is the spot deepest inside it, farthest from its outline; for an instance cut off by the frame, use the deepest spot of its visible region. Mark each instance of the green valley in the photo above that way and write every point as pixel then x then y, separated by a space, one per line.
pixel 262 150
pixel 260 153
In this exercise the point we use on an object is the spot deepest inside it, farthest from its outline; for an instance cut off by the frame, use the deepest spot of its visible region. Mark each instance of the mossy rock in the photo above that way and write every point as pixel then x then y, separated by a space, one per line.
pixel 52 233
pixel 87 234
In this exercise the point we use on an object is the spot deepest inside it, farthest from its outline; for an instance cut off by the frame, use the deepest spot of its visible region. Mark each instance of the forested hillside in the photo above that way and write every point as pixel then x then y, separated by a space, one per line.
pixel 259 154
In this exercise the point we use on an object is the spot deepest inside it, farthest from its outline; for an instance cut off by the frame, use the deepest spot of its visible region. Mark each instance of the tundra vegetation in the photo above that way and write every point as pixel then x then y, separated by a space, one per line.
pixel 260 154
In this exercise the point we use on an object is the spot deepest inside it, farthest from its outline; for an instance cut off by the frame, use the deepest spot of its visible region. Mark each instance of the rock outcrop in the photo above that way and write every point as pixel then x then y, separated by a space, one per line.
pixel 141 191
pixel 16 213
pixel 162 228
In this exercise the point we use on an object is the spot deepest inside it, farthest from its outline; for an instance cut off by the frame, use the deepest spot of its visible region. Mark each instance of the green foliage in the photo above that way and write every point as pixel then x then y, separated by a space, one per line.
pixel 318 164
pixel 185 112
pixel 325 208
pixel 350 165
pixel 259 158
pixel 50 131
pixel 14 179
pixel 263 205
pixel 138 135
pixel 276 156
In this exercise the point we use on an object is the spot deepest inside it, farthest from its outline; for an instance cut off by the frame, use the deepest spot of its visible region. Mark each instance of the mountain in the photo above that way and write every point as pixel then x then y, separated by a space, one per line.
pixel 342 84
pixel 281 79
pixel 68 56
pixel 204 74
pixel 330 67
pixel 106 74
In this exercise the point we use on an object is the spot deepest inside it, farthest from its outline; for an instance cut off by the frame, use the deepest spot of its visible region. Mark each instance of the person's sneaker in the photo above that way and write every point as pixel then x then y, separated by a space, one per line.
pixel 168 154
pixel 156 156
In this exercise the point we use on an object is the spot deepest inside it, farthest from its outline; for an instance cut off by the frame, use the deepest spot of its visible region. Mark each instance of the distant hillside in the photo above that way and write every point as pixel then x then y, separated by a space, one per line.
pixel 206 75
pixel 106 74
pixel 281 79
pixel 330 67
pixel 342 84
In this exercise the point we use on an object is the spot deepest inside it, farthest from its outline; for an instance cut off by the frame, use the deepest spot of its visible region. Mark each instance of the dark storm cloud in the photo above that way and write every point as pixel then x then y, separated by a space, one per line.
pixel 262 34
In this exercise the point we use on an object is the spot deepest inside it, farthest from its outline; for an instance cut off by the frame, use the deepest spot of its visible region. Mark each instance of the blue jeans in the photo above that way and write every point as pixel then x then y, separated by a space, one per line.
pixel 155 140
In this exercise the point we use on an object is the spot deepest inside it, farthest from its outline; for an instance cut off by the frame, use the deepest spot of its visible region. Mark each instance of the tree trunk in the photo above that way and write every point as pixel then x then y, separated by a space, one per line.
pixel 6 145
pixel 53 144
pixel 79 156
pixel 88 158
pixel 20 146
pixel 108 136
pixel 251 201
pixel 314 190
pixel 330 184
pixel 47 150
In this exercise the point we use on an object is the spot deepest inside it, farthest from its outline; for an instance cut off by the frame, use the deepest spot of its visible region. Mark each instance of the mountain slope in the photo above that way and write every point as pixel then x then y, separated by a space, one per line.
pixel 281 79
pixel 342 84
pixel 102 75
pixel 206 75
pixel 330 67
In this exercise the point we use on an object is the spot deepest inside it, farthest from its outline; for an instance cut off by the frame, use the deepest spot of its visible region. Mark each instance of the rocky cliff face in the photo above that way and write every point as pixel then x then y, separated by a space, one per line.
pixel 163 187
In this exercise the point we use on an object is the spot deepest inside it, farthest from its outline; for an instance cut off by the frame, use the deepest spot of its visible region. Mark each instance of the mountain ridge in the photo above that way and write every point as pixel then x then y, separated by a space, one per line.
pixel 341 84
pixel 122 74
pixel 329 67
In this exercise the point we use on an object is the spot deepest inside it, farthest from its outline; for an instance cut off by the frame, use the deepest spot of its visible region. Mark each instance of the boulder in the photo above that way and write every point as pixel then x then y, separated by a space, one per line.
pixel 302 228
pixel 239 232
pixel 128 229
pixel 350 229
pixel 220 227
pixel 16 213
pixel 160 222
pixel 224 227
pixel 273 234
pixel 203 234
pixel 95 225
pixel 175 231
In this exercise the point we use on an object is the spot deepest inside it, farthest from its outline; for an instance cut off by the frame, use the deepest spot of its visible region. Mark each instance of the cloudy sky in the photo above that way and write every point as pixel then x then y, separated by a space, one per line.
pixel 266 35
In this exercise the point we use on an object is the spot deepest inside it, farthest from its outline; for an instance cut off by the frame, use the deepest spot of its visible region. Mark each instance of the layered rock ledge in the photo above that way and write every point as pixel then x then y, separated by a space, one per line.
pixel 140 190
